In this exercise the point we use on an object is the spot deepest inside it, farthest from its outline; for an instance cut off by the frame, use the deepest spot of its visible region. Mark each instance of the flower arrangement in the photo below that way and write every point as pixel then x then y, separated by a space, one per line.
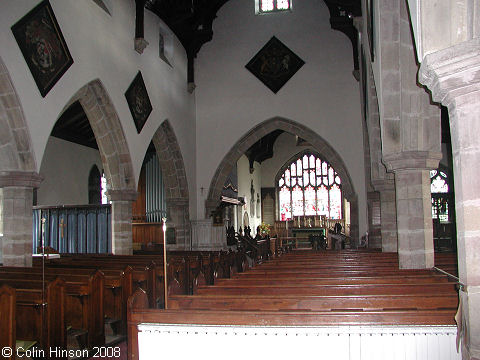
pixel 264 228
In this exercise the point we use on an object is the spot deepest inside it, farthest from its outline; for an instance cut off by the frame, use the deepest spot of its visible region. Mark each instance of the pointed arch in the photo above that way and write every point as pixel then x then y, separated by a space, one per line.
pixel 16 151
pixel 109 134
pixel 171 161
pixel 175 180
pixel 94 186
pixel 325 150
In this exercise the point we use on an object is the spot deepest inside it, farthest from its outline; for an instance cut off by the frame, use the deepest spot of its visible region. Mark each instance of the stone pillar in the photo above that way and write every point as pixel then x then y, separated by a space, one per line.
pixel 388 214
pixel 17 200
pixel 122 220
pixel 452 75
pixel 178 217
pixel 413 203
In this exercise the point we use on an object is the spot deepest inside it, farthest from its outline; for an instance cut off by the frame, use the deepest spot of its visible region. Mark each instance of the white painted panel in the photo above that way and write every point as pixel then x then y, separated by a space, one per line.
pixel 339 343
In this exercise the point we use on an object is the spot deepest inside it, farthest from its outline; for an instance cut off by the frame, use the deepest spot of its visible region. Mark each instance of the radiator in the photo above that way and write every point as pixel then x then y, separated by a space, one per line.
pixel 327 343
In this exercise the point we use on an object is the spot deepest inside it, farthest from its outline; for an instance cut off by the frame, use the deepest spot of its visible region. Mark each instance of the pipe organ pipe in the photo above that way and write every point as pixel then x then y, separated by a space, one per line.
pixel 148 191
pixel 147 195
pixel 152 193
pixel 154 185
pixel 157 195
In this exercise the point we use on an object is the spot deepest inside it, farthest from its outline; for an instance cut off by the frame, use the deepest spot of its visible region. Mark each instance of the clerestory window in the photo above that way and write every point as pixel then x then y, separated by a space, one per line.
pixel 309 186
pixel 269 6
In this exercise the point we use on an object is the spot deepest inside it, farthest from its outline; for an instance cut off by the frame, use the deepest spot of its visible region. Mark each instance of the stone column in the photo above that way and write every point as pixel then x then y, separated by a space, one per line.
pixel 388 214
pixel 122 220
pixel 17 200
pixel 452 75
pixel 413 203
pixel 178 217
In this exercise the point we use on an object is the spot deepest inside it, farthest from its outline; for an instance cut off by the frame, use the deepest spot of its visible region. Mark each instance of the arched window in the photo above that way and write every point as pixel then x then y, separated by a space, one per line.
pixel 94 186
pixel 309 186
pixel 440 199
pixel 97 187
pixel 269 6
pixel 103 183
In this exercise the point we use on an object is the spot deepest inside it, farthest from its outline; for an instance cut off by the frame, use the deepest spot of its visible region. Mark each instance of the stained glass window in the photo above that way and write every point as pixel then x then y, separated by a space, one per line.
pixel 310 186
pixel 440 199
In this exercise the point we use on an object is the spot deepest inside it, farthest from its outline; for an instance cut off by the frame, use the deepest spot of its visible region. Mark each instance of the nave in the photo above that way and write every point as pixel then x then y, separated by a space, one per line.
pixel 86 297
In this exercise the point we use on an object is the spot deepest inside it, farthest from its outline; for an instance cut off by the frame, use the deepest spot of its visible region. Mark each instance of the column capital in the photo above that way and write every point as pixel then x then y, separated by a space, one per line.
pixel 122 195
pixel 412 160
pixel 29 179
pixel 452 72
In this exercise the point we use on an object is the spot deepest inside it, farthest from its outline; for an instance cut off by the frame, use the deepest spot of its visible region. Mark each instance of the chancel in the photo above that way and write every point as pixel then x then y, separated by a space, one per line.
pixel 173 170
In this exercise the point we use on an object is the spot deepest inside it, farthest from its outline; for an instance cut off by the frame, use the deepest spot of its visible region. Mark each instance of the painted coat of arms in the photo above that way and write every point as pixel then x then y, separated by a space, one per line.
pixel 43 46
pixel 274 64
pixel 138 101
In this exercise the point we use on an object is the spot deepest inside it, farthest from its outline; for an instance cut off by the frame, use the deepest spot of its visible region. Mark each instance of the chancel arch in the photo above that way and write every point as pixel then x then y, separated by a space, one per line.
pixel 316 141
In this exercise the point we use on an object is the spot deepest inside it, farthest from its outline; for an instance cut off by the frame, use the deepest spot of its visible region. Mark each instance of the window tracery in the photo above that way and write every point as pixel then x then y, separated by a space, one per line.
pixel 309 186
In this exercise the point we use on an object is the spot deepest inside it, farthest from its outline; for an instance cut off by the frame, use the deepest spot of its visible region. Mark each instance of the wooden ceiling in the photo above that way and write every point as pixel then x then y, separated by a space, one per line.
pixel 73 125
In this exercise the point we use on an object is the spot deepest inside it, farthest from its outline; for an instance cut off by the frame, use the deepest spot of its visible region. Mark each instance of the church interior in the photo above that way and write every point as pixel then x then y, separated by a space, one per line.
pixel 302 166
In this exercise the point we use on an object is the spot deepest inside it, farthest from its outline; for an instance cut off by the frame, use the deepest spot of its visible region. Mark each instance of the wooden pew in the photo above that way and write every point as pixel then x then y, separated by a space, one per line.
pixel 38 316
pixel 139 313
pixel 7 319
pixel 329 290
pixel 84 301
pixel 118 286
pixel 392 279
pixel 315 303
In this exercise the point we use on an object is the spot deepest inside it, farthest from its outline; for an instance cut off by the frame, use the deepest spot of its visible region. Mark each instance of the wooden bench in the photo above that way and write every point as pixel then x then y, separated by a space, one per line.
pixel 330 290
pixel 139 313
pixel 38 316
pixel 8 298
pixel 84 298
pixel 316 303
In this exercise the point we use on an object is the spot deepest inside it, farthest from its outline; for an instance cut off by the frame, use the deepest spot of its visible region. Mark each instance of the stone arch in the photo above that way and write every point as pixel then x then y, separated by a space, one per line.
pixel 175 180
pixel 109 134
pixel 18 176
pixel 292 127
pixel 16 151
pixel 116 160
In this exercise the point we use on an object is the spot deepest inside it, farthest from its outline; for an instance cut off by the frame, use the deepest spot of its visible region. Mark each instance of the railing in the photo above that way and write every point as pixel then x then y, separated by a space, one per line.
pixel 73 229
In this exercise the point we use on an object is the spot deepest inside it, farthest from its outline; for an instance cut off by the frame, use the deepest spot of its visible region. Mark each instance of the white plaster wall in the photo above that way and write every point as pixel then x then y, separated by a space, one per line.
pixel 244 184
pixel 322 95
pixel 102 47
pixel 65 168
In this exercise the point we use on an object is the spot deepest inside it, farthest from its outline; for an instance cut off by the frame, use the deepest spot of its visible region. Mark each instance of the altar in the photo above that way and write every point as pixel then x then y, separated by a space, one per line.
pixel 306 231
